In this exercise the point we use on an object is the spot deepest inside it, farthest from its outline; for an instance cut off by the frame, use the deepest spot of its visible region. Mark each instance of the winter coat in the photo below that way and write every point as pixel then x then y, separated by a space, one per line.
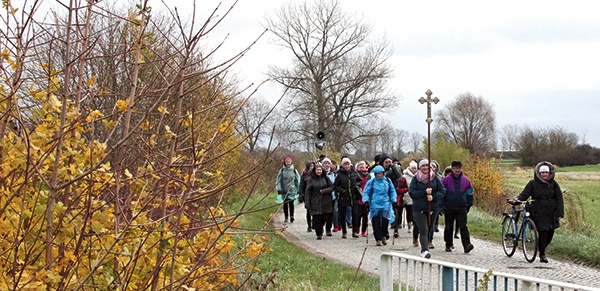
pixel 418 193
pixel 318 194
pixel 380 194
pixel 288 181
pixel 548 205
pixel 364 176
pixel 303 183
pixel 401 189
pixel 408 175
pixel 345 185
pixel 331 175
pixel 459 192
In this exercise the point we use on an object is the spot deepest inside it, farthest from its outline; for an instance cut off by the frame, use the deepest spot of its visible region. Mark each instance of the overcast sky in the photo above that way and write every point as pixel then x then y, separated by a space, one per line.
pixel 537 62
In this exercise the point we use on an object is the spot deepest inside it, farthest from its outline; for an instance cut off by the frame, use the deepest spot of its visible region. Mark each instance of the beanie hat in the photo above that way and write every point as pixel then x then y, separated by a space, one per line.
pixel 423 162
pixel 544 168
pixel 384 157
pixel 456 164
pixel 287 158
pixel 412 165
pixel 326 160
pixel 346 160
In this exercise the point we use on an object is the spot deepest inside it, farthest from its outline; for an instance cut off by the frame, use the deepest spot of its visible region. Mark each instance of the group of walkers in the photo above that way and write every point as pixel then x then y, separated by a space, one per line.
pixel 345 199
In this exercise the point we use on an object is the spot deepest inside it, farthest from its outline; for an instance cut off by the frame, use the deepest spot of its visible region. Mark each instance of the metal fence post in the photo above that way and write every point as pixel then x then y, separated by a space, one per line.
pixel 447 278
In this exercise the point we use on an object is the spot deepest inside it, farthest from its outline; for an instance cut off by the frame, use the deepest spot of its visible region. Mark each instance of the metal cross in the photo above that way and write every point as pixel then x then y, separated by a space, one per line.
pixel 435 100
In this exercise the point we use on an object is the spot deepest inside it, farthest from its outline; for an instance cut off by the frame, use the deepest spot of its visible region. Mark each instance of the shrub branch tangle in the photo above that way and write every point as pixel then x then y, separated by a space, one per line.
pixel 115 148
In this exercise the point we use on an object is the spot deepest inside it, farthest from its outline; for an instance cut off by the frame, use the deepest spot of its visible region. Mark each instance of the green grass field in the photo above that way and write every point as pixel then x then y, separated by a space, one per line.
pixel 578 237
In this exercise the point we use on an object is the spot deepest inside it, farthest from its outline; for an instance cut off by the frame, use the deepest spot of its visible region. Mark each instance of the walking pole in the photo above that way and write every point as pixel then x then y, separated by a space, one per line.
pixel 435 100
pixel 367 232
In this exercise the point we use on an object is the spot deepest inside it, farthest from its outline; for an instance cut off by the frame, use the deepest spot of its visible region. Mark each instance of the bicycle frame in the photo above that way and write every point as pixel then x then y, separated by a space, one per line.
pixel 526 232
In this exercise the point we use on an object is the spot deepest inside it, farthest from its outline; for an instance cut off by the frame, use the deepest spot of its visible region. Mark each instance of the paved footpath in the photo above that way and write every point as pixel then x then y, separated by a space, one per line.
pixel 486 255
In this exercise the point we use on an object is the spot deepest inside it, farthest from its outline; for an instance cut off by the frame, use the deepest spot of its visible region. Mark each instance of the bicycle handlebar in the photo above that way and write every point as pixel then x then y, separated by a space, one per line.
pixel 516 201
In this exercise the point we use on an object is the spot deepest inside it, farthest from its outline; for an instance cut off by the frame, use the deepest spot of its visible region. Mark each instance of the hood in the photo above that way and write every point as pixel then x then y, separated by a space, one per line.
pixel 307 164
pixel 383 157
pixel 378 169
pixel 537 171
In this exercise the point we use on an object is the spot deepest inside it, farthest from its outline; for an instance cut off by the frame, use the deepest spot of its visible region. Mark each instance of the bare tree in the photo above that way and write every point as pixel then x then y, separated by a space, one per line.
pixel 337 78
pixel 254 122
pixel 555 144
pixel 400 139
pixel 508 137
pixel 470 122
pixel 415 141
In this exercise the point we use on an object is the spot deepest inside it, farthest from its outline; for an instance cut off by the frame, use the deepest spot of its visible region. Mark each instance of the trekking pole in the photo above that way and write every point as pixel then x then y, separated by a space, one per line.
pixel 367 232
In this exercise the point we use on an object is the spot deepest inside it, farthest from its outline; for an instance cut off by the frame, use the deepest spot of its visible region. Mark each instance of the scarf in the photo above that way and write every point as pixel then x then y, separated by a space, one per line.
pixel 423 177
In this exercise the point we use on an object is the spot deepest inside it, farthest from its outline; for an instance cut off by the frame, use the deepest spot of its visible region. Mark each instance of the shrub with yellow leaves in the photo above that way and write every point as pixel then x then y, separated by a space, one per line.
pixel 488 183
pixel 109 186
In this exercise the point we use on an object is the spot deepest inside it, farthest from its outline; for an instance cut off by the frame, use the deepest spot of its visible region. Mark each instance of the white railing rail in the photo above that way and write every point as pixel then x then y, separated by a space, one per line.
pixel 415 273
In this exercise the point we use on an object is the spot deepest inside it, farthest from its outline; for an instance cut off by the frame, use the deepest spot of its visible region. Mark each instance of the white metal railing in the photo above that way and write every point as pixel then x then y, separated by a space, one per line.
pixel 415 273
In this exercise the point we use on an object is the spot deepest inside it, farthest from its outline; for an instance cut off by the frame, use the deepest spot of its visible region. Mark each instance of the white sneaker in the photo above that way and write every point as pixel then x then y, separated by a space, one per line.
pixel 425 254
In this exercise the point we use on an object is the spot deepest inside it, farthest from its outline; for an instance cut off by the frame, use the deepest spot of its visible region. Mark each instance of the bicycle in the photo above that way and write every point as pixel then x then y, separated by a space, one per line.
pixel 512 234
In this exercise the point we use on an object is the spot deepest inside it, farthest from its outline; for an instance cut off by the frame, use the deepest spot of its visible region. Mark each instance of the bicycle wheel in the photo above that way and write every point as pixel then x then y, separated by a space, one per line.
pixel 530 241
pixel 509 237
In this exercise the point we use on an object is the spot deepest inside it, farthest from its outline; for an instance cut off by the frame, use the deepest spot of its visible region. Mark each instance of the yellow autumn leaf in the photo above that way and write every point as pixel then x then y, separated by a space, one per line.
pixel 91 81
pixel 223 127
pixel 128 174
pixel 94 115
pixel 161 109
pixel 122 105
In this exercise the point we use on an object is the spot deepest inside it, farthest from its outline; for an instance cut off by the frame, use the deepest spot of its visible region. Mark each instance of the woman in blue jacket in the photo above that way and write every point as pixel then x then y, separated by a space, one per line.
pixel 379 195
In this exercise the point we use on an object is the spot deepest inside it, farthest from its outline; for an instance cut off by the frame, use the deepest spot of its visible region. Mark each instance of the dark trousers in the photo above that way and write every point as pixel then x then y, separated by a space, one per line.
pixel 309 220
pixel 458 216
pixel 328 221
pixel 409 213
pixel 318 222
pixel 544 239
pixel 398 213
pixel 421 229
pixel 380 227
pixel 433 220
pixel 360 218
pixel 342 210
pixel 288 208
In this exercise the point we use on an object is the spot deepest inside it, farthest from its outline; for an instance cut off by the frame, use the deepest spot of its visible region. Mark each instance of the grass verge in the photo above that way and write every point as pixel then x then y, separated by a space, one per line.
pixel 289 267
pixel 567 245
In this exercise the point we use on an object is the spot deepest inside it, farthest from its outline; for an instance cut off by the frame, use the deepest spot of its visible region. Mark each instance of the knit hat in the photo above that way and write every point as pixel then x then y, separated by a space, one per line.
pixel 287 158
pixel 456 164
pixel 412 165
pixel 423 162
pixel 326 160
pixel 544 168
pixel 346 160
